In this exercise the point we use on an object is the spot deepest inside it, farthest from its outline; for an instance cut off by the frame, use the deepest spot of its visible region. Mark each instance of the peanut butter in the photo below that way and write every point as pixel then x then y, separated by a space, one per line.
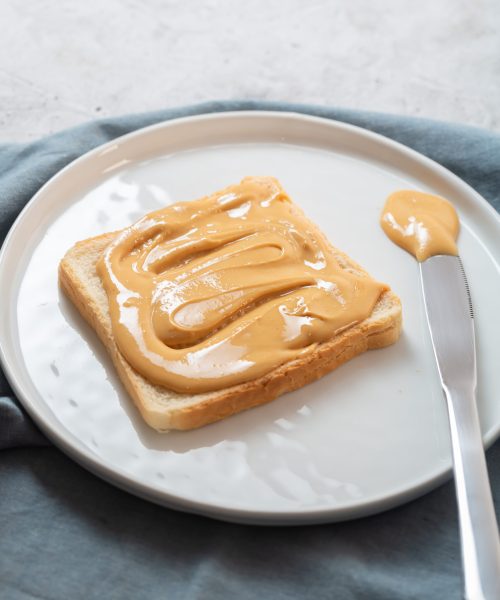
pixel 423 224
pixel 211 293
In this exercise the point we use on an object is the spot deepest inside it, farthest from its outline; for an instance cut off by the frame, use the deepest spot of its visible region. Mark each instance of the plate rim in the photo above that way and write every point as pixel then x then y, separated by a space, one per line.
pixel 117 476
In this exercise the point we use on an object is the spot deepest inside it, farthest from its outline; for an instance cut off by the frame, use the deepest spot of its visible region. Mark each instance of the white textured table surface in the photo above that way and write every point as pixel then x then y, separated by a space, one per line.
pixel 63 62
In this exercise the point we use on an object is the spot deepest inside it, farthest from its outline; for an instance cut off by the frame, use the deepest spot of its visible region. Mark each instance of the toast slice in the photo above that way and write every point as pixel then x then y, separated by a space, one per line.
pixel 164 409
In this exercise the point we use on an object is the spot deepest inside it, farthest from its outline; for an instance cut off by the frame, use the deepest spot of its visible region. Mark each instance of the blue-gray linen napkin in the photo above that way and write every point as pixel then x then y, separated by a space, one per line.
pixel 67 535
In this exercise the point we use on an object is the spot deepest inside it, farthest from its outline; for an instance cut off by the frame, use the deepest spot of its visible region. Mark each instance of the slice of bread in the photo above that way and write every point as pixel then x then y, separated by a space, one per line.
pixel 164 409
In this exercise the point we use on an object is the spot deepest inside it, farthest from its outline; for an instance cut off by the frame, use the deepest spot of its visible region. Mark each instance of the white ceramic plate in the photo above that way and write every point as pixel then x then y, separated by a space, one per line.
pixel 367 437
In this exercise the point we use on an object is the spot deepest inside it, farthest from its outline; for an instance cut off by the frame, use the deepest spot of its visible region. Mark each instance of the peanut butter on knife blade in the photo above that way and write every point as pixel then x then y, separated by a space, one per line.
pixel 423 224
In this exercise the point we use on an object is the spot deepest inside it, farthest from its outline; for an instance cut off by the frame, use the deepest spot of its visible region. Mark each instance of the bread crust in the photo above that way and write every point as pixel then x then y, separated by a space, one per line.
pixel 164 409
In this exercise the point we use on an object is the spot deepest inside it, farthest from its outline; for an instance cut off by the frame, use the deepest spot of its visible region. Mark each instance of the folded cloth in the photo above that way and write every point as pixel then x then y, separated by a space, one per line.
pixel 66 534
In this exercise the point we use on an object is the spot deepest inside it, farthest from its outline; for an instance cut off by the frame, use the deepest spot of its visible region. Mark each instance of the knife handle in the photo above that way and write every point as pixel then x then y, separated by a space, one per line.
pixel 478 526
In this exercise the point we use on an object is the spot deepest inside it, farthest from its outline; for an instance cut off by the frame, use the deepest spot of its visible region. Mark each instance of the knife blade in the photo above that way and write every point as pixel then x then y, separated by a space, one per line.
pixel 451 323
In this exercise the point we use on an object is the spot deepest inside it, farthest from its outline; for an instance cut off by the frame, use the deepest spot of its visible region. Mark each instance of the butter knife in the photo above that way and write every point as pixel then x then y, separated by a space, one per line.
pixel 451 322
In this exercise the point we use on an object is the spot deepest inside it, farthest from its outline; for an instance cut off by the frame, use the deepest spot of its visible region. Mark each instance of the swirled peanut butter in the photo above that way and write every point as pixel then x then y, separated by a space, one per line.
pixel 215 292
pixel 423 224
